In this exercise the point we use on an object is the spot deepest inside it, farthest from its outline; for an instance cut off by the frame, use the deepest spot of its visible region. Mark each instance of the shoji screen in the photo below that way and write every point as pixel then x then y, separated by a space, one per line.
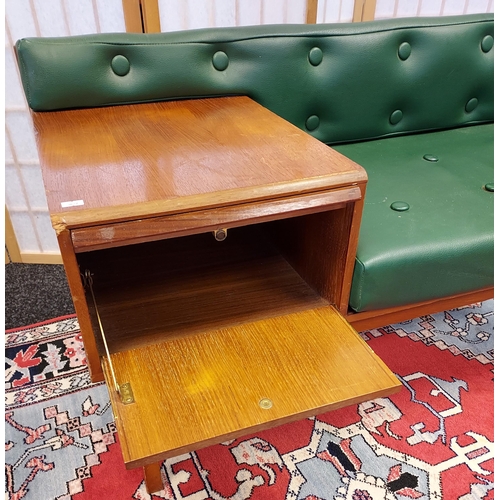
pixel 407 8
pixel 24 192
pixel 335 11
pixel 190 14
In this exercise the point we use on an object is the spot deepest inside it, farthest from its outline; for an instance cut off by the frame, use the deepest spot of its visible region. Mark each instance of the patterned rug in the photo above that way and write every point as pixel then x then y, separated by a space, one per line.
pixel 433 440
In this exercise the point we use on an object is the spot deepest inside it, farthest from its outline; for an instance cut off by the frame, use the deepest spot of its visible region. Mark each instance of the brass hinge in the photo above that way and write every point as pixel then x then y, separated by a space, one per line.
pixel 126 394
pixel 123 390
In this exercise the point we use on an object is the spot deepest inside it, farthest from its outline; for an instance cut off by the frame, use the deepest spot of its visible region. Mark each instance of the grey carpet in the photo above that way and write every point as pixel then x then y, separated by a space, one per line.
pixel 34 293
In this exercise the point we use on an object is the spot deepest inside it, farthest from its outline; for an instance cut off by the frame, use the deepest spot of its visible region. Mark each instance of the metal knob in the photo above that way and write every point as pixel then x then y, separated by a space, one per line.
pixel 220 234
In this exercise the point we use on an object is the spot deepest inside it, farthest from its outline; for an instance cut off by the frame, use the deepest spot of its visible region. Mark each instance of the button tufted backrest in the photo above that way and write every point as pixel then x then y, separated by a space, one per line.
pixel 342 82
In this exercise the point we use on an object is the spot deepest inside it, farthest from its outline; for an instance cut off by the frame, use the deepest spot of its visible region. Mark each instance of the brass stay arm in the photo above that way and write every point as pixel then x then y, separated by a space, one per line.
pixel 123 390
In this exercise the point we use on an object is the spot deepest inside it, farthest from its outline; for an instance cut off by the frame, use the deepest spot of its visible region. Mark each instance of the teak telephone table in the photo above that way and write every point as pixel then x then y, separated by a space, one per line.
pixel 209 246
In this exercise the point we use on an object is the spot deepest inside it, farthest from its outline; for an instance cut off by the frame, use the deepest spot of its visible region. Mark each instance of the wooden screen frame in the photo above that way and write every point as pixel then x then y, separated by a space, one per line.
pixel 141 16
pixel 364 10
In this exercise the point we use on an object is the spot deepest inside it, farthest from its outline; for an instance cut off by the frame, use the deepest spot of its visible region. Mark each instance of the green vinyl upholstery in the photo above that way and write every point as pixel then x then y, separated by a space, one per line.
pixel 384 93
pixel 443 243
pixel 361 80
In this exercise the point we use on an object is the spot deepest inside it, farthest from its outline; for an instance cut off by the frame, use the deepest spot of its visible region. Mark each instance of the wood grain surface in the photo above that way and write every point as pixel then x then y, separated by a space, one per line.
pixel 127 162
pixel 152 477
pixel 195 391
pixel 81 306
pixel 150 292
pixel 352 236
pixel 317 246
pixel 170 226
pixel 368 320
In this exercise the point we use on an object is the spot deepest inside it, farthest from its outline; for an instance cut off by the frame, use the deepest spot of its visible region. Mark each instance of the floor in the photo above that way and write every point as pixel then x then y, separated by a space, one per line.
pixel 34 293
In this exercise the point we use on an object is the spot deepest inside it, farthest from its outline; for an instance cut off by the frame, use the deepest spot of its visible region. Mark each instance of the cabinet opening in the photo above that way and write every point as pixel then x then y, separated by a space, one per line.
pixel 156 291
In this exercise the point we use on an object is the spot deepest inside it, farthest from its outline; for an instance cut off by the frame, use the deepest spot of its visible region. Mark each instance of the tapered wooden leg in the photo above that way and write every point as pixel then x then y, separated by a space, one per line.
pixel 152 477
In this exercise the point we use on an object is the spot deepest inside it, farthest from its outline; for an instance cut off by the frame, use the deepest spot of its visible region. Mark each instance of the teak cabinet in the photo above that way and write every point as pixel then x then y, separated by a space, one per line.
pixel 209 247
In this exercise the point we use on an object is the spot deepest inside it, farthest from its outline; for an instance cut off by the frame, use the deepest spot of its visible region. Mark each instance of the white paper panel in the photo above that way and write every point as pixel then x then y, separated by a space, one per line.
pixel 198 14
pixel 51 18
pixel 14 196
pixel 224 12
pixel 409 8
pixel 25 232
pixel 81 18
pixel 44 227
pixel 274 12
pixel 335 11
pixel 296 11
pixel 21 133
pixel 189 14
pixel 9 159
pixel 346 11
pixel 32 179
pixel 249 12
pixel 19 19
pixel 14 96
pixel 427 8
pixel 479 6
pixel 321 13
pixel 111 17
pixel 455 6
pixel 171 16
pixel 385 8
pixel 403 8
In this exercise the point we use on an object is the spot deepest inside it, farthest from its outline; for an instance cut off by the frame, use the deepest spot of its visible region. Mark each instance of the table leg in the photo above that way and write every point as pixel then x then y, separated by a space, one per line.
pixel 152 477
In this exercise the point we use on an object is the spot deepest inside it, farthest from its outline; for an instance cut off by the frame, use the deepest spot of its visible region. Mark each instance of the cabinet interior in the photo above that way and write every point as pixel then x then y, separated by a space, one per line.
pixel 152 292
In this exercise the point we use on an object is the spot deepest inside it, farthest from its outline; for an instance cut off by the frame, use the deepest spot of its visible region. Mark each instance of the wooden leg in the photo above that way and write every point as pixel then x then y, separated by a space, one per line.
pixel 152 477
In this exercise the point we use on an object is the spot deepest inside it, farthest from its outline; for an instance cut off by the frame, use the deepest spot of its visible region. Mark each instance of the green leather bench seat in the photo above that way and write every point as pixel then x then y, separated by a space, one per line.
pixel 442 244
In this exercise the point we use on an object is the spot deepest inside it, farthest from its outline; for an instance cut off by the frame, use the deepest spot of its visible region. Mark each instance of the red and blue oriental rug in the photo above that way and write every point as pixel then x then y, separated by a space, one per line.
pixel 433 440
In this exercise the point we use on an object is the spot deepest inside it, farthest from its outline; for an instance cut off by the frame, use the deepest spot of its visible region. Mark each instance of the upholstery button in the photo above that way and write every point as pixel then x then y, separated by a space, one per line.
pixel 120 65
pixel 487 43
pixel 396 117
pixel 404 51
pixel 312 122
pixel 489 187
pixel 471 105
pixel 220 60
pixel 432 158
pixel 400 206
pixel 315 56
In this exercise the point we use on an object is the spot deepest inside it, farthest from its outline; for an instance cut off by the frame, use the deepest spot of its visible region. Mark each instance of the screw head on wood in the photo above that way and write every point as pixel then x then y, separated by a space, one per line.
pixel 265 403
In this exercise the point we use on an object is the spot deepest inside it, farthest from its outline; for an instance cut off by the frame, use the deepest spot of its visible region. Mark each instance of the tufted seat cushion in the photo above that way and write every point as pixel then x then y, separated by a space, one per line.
pixel 443 243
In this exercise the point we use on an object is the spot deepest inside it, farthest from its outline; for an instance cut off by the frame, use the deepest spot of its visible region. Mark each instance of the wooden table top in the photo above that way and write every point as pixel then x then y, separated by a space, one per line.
pixel 128 162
